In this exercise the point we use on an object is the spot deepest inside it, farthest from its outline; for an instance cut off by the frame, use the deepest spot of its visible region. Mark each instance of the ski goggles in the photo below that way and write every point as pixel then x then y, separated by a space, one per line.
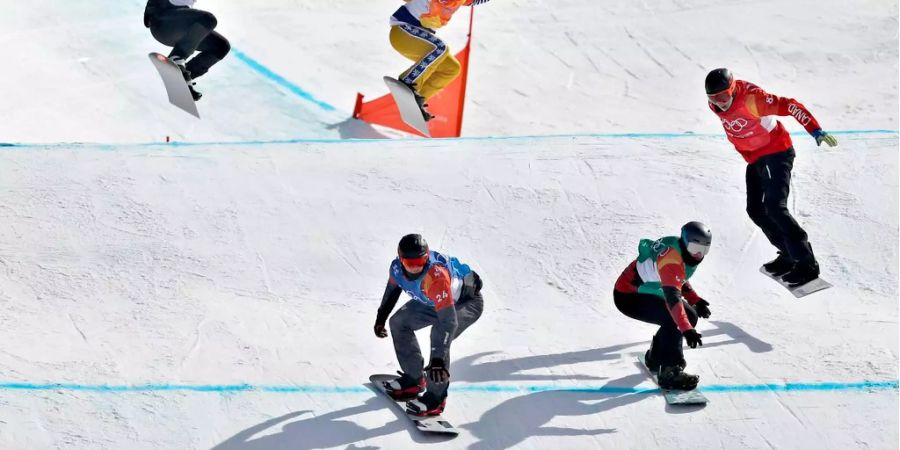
pixel 414 264
pixel 722 97
pixel 697 250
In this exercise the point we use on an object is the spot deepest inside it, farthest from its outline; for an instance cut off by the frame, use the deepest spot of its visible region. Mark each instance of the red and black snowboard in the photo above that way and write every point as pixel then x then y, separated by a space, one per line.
pixel 429 424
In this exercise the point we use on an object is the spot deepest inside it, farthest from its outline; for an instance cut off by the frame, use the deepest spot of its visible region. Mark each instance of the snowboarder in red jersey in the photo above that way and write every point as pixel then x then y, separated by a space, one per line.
pixel 748 116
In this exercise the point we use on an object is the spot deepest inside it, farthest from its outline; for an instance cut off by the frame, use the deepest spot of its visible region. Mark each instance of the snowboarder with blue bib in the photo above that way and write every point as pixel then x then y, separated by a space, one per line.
pixel 446 296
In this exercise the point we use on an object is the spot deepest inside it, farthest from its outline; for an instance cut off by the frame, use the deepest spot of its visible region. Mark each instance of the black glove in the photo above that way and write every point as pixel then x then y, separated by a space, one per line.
pixel 693 338
pixel 380 331
pixel 702 308
pixel 437 371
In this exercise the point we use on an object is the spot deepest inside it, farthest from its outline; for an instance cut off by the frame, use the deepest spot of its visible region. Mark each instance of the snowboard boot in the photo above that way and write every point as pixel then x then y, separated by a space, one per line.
pixel 426 405
pixel 421 102
pixel 802 273
pixel 179 61
pixel 651 363
pixel 182 64
pixel 422 107
pixel 194 93
pixel 673 377
pixel 780 265
pixel 404 387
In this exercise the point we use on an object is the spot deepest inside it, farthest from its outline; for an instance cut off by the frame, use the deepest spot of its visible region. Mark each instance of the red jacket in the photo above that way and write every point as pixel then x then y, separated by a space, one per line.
pixel 750 123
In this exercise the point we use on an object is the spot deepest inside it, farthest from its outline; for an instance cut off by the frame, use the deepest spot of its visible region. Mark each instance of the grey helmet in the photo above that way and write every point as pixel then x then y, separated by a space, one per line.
pixel 696 239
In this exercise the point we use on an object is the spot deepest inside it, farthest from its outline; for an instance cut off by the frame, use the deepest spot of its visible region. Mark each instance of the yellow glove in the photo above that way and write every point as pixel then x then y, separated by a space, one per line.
pixel 822 136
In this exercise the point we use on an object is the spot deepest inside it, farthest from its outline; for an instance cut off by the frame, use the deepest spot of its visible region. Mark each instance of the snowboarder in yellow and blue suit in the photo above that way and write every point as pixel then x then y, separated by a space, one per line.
pixel 413 36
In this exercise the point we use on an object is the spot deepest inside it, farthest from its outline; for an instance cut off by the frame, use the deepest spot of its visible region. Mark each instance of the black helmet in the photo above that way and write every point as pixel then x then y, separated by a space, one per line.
pixel 718 80
pixel 696 239
pixel 412 246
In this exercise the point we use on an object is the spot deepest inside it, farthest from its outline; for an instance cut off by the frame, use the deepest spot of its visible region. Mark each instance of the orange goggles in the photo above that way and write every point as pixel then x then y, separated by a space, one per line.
pixel 414 263
pixel 723 96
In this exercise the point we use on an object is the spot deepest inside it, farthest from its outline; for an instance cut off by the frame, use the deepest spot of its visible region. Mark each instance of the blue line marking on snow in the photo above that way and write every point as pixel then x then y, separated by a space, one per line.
pixel 108 146
pixel 487 388
pixel 279 80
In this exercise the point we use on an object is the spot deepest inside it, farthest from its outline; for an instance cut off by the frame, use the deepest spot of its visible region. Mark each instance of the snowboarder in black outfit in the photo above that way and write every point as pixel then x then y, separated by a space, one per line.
pixel 174 23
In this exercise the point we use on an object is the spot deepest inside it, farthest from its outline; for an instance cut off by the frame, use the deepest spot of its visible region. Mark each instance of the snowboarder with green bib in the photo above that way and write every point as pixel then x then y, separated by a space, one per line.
pixel 654 288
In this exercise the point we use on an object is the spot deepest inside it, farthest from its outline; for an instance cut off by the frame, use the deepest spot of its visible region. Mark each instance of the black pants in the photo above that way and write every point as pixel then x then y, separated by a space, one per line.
pixel 768 187
pixel 667 341
pixel 188 30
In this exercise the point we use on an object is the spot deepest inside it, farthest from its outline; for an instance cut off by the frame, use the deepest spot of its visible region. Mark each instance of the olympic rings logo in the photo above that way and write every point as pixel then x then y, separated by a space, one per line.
pixel 736 125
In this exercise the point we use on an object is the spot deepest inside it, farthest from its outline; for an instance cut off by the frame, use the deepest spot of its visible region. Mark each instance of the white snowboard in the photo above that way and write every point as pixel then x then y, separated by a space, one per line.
pixel 176 87
pixel 406 103
pixel 430 424
pixel 800 291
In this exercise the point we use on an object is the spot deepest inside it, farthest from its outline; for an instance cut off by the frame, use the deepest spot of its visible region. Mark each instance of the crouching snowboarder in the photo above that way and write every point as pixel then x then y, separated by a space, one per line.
pixel 445 295
pixel 654 288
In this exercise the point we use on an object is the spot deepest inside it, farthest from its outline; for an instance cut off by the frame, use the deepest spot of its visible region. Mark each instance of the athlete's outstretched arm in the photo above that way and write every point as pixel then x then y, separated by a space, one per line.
pixel 767 104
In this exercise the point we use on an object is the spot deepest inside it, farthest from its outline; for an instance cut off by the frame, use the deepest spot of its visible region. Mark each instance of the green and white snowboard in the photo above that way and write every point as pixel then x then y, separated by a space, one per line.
pixel 676 397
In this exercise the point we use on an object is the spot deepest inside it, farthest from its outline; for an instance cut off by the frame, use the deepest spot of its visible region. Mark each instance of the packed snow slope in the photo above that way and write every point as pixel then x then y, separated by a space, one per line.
pixel 264 265
pixel 220 294
pixel 77 71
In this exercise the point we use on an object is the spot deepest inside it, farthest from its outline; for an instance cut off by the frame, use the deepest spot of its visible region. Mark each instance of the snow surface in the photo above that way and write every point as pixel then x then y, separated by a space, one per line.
pixel 220 294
